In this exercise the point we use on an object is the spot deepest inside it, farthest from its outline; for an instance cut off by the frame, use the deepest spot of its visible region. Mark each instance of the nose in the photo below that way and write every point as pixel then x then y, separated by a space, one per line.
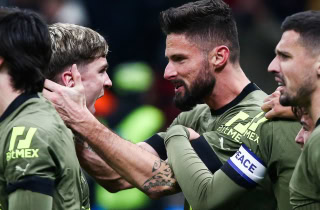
pixel 274 66
pixel 107 82
pixel 299 138
pixel 170 73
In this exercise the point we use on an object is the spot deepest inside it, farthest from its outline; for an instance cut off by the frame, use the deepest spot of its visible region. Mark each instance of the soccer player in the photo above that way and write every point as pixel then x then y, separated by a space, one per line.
pixel 78 47
pixel 38 163
pixel 203 52
pixel 296 68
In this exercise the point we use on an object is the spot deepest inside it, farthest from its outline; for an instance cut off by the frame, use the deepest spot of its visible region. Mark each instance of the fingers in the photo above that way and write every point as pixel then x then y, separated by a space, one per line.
pixel 51 86
pixel 267 106
pixel 51 96
pixel 268 98
pixel 193 134
pixel 276 94
pixel 279 88
pixel 76 75
pixel 270 114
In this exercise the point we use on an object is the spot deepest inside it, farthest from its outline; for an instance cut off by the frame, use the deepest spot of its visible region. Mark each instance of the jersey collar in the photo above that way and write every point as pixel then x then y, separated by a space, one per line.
pixel 246 91
pixel 16 103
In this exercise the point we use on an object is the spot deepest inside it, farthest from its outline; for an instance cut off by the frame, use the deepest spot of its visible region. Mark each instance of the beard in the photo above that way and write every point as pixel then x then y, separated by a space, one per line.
pixel 201 87
pixel 302 96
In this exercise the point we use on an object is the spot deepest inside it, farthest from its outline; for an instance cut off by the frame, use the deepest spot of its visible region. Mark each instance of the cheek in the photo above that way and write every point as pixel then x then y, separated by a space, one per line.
pixel 306 136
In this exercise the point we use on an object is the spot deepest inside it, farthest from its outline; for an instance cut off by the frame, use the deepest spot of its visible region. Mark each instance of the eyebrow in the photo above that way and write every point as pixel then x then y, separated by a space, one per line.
pixel 105 66
pixel 283 53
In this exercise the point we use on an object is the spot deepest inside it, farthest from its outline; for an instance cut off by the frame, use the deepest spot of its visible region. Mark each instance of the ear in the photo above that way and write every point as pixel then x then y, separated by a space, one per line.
pixel 219 56
pixel 67 78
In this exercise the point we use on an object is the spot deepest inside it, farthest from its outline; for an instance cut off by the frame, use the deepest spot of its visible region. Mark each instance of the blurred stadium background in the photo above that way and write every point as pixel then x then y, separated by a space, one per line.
pixel 140 102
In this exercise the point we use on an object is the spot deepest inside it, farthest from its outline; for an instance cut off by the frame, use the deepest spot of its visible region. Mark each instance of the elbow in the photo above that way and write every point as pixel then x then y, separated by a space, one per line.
pixel 160 191
pixel 115 187
pixel 155 195
pixel 112 190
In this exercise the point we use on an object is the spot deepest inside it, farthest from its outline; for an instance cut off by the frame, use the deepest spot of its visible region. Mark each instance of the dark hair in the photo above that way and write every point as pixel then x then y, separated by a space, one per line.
pixel 208 22
pixel 298 111
pixel 307 24
pixel 73 44
pixel 25 47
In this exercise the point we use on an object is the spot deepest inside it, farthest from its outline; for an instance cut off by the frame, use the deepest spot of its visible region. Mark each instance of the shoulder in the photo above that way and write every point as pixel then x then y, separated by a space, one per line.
pixel 201 110
pixel 41 117
pixel 255 96
pixel 277 140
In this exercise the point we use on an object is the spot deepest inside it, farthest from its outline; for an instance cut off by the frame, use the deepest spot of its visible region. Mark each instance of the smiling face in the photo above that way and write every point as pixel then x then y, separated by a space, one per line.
pixel 94 78
pixel 305 131
pixel 294 68
pixel 189 71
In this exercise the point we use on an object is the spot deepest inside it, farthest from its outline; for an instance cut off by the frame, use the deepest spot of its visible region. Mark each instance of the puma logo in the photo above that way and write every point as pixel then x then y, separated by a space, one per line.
pixel 221 143
pixel 18 168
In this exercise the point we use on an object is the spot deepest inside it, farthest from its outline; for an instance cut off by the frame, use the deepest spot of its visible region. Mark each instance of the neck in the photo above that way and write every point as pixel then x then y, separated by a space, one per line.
pixel 7 93
pixel 229 84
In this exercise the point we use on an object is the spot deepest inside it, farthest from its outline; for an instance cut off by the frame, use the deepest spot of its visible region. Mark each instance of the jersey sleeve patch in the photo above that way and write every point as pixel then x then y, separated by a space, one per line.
pixel 245 168
pixel 206 154
pixel 34 184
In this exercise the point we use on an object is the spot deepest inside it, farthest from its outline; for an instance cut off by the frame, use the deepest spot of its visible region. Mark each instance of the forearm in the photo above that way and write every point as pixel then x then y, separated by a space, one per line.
pixel 141 168
pixel 28 200
pixel 202 189
pixel 98 169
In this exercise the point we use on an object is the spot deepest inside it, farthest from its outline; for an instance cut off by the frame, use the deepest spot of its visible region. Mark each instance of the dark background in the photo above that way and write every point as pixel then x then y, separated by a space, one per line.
pixel 132 30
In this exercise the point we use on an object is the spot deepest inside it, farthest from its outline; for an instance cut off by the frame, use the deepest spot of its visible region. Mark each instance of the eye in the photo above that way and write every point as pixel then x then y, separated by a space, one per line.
pixel 178 58
pixel 103 70
pixel 283 56
pixel 306 128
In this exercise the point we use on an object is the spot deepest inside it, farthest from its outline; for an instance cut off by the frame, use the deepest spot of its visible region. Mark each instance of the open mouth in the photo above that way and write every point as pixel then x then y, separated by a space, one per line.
pixel 279 82
pixel 177 84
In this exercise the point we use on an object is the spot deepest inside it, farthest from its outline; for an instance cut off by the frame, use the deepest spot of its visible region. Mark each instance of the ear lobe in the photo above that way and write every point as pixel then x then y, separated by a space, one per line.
pixel 219 56
pixel 67 79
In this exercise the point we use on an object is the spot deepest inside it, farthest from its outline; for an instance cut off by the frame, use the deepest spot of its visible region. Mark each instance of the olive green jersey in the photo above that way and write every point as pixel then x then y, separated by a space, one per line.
pixel 305 182
pixel 38 155
pixel 241 122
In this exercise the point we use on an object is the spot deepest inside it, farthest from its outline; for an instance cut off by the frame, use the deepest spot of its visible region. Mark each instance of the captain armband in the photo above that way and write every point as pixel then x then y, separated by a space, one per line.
pixel 245 168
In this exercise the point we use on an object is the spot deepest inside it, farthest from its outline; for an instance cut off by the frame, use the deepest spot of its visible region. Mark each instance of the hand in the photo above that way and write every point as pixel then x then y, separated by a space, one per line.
pixel 193 135
pixel 273 108
pixel 70 102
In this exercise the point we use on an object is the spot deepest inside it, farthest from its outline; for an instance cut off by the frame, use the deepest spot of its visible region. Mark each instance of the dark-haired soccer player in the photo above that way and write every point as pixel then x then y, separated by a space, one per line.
pixel 297 68
pixel 38 164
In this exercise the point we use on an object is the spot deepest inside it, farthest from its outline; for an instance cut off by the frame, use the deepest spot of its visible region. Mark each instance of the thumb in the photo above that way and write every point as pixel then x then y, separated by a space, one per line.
pixel 76 75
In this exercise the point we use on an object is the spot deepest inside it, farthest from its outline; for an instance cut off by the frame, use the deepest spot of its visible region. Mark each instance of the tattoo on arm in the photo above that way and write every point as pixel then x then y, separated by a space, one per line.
pixel 162 180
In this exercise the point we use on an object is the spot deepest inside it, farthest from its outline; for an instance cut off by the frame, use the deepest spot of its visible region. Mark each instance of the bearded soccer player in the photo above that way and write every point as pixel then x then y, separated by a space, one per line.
pixel 203 53
pixel 296 68
pixel 39 167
